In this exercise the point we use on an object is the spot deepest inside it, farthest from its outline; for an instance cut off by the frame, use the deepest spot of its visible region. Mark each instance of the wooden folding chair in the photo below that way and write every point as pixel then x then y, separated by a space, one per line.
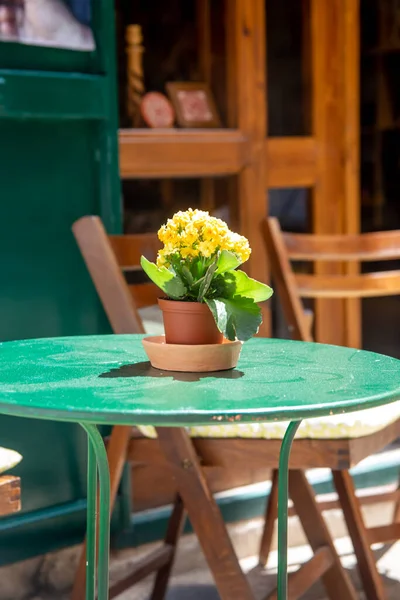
pixel 191 459
pixel 104 256
pixel 283 249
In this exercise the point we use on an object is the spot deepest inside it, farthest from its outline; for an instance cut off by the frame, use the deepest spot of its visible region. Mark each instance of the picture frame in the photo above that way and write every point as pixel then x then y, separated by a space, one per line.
pixel 194 104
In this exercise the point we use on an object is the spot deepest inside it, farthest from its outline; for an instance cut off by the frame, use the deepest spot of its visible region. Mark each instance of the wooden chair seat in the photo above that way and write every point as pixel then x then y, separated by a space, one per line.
pixel 344 426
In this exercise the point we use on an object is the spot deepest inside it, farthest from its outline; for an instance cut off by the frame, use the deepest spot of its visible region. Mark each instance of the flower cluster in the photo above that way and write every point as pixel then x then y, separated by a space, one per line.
pixel 194 233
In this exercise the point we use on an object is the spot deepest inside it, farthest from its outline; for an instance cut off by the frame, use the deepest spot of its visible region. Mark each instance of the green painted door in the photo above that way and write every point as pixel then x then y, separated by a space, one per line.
pixel 58 161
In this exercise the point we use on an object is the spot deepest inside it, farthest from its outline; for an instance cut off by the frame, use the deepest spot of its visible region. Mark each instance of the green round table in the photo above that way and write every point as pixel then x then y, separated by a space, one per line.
pixel 107 380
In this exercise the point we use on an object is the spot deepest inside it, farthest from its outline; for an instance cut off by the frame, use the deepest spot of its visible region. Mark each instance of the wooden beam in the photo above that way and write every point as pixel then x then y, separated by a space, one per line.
pixel 175 153
pixel 290 162
pixel 301 580
pixel 385 534
pixel 143 568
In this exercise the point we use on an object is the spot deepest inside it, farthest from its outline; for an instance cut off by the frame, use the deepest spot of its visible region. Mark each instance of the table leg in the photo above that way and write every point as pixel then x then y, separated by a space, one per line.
pixel 97 455
pixel 283 499
pixel 91 523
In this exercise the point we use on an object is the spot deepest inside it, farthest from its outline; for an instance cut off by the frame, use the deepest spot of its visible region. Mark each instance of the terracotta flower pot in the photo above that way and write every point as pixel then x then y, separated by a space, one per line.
pixel 189 323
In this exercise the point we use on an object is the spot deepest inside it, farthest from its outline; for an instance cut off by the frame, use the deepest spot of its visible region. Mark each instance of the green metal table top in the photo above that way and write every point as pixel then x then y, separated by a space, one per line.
pixel 107 379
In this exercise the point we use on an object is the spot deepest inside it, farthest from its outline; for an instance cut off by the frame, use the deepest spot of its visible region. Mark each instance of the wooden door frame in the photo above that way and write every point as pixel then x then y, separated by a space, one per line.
pixel 326 161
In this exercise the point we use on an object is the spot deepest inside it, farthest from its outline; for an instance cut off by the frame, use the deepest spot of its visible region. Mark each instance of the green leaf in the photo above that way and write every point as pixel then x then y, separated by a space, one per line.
pixel 251 288
pixel 187 276
pixel 205 284
pixel 227 261
pixel 238 318
pixel 165 279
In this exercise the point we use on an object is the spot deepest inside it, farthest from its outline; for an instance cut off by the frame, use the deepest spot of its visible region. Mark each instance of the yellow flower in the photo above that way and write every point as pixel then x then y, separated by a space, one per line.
pixel 188 252
pixel 189 236
pixel 193 233
pixel 206 248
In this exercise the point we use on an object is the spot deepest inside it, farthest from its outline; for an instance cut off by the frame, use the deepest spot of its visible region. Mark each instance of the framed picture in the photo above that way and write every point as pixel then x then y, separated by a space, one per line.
pixel 194 104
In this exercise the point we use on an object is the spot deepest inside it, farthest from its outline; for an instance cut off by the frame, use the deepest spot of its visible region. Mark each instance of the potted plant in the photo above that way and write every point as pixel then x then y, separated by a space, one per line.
pixel 207 298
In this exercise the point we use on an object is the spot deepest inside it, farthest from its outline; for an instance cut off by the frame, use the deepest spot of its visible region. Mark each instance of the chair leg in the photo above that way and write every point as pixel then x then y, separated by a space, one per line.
pixel 116 452
pixel 204 514
pixel 175 527
pixel 371 580
pixel 396 511
pixel 271 514
pixel 336 580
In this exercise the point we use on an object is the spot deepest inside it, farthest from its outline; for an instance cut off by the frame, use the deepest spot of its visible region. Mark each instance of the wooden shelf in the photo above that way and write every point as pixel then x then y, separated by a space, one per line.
pixel 290 162
pixel 154 154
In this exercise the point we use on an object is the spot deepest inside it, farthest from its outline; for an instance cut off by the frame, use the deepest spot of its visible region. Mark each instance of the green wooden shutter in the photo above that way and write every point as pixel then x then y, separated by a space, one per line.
pixel 58 161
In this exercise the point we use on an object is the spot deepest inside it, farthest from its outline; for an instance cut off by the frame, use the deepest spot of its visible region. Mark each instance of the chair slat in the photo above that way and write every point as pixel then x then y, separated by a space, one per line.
pixel 97 252
pixel 128 249
pixel 145 294
pixel 364 247
pixel 385 283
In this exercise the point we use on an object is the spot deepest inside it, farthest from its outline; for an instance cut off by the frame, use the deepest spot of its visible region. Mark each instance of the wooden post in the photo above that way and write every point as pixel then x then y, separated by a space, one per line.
pixel 248 21
pixel 135 89
pixel 327 41
pixel 351 68
pixel 232 189
pixel 207 188
pixel 335 44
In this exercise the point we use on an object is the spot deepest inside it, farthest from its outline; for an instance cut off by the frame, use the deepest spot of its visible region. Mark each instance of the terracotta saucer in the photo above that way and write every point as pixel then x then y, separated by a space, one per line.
pixel 191 359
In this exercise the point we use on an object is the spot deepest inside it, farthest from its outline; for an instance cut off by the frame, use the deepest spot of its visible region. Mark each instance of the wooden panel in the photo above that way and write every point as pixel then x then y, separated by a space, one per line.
pixel 181 153
pixel 41 95
pixel 290 162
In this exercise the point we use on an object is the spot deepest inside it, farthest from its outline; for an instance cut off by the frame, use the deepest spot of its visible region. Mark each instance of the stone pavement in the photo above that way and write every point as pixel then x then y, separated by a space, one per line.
pixel 51 577
pixel 193 581
pixel 197 584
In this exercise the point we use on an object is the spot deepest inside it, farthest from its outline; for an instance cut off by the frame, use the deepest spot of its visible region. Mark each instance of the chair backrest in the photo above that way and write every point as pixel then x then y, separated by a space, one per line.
pixel 108 258
pixel 285 248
